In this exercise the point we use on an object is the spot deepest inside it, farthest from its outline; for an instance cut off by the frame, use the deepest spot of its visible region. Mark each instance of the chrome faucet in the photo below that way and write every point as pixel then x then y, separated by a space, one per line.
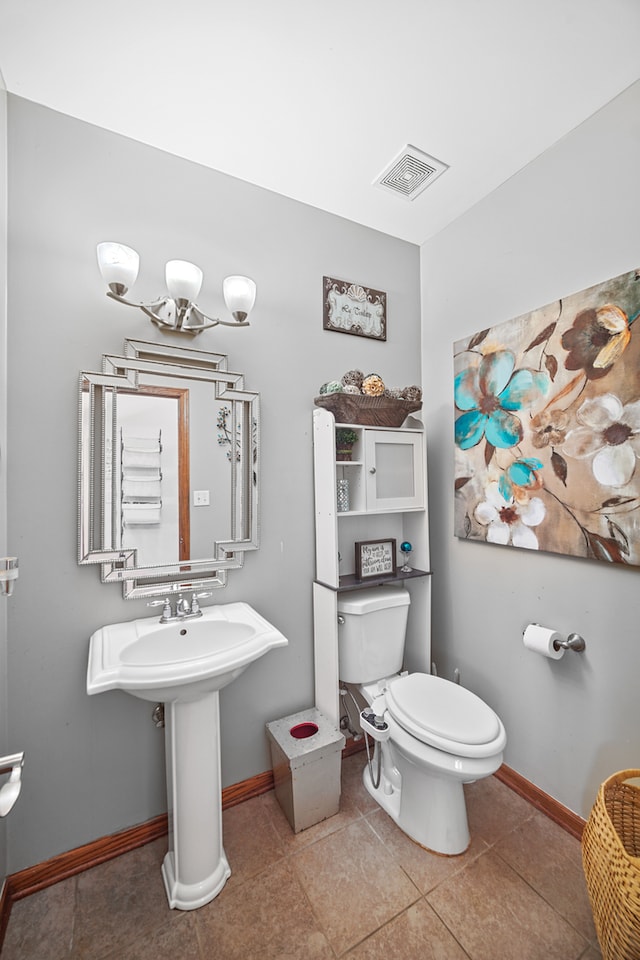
pixel 182 608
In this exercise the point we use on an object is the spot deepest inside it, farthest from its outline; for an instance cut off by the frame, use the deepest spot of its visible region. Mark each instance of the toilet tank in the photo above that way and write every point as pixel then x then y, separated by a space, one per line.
pixel 371 638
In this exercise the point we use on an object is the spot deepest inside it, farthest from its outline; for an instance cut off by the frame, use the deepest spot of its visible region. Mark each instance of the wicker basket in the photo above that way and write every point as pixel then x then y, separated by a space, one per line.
pixel 368 411
pixel 611 860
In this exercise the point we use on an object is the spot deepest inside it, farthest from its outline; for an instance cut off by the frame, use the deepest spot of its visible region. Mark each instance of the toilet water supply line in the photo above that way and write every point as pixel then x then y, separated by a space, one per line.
pixel 347 716
pixel 375 780
pixel 370 718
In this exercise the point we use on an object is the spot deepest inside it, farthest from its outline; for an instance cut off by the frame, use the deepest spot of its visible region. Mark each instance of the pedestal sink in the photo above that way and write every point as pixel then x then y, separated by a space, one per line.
pixel 184 664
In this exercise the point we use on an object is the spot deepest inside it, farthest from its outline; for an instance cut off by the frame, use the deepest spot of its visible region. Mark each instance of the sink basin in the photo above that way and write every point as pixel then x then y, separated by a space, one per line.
pixel 184 665
pixel 193 641
pixel 185 659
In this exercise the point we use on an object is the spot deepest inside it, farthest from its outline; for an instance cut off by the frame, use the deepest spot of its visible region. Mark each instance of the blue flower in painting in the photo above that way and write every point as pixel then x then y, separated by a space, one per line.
pixel 489 393
pixel 520 478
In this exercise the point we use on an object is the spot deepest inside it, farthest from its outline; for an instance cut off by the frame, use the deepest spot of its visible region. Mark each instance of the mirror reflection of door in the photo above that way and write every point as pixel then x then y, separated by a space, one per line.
pixel 152 461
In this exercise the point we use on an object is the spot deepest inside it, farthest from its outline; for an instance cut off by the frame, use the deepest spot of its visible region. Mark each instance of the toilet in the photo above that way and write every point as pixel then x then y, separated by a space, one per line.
pixel 432 735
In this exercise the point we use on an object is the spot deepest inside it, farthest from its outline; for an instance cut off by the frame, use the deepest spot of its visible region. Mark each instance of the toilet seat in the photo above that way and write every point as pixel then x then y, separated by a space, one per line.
pixel 445 715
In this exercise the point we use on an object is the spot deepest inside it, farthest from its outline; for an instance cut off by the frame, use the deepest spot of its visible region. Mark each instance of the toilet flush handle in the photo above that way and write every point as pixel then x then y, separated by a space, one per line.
pixel 340 620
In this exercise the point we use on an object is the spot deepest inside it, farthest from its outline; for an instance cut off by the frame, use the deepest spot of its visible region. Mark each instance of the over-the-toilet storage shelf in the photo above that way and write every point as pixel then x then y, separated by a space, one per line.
pixel 388 499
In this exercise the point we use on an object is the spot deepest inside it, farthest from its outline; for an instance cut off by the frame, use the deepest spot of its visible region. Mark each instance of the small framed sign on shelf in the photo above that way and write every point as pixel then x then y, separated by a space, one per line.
pixel 375 558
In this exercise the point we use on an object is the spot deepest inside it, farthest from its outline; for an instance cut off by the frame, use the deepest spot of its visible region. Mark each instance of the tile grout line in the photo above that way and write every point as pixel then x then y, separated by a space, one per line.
pixel 542 896
pixel 298 879
pixel 447 927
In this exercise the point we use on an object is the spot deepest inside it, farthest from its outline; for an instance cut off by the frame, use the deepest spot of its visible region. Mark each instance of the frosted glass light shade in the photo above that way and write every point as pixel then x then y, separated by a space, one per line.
pixel 118 264
pixel 183 279
pixel 239 295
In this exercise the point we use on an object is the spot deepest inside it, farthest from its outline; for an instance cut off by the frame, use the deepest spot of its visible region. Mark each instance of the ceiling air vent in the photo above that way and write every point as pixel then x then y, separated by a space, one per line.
pixel 410 173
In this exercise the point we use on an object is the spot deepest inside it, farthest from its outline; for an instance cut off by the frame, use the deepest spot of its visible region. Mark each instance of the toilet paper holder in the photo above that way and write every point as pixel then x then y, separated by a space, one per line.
pixel 10 791
pixel 573 642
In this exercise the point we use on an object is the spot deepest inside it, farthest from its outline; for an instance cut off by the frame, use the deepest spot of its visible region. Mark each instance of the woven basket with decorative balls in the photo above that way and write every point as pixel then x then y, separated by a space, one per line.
pixel 368 411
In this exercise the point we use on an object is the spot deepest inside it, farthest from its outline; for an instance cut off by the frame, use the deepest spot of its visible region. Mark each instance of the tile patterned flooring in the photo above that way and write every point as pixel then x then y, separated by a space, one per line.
pixel 353 886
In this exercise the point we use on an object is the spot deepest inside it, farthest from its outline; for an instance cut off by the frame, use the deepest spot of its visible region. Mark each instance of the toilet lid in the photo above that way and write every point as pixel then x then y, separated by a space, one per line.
pixel 437 711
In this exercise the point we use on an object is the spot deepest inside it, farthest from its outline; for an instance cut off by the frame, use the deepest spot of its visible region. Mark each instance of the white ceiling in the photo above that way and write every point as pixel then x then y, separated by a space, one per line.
pixel 313 99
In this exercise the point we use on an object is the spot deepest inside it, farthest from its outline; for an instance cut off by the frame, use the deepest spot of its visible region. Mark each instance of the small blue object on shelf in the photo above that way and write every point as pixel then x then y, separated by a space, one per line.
pixel 406 549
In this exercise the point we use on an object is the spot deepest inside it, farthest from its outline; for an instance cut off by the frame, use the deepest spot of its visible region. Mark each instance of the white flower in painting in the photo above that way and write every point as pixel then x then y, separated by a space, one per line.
pixel 510 522
pixel 610 432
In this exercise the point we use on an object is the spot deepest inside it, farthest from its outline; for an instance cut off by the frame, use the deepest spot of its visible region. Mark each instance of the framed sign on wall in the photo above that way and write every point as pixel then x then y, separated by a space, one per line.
pixel 352 308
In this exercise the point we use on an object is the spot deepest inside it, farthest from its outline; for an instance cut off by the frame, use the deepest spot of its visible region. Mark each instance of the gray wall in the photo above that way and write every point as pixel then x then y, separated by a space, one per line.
pixel 95 765
pixel 4 746
pixel 566 222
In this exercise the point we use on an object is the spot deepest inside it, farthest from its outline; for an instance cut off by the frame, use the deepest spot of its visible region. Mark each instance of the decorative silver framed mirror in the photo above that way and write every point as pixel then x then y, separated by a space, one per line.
pixel 169 469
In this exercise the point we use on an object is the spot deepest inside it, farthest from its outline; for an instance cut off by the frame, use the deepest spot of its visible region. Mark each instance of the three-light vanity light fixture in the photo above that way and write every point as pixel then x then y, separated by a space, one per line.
pixel 176 310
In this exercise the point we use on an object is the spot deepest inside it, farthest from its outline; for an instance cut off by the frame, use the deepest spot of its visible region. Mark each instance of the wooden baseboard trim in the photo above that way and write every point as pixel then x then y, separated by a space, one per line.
pixel 553 809
pixel 65 865
pixel 5 910
pixel 247 789
pixel 353 746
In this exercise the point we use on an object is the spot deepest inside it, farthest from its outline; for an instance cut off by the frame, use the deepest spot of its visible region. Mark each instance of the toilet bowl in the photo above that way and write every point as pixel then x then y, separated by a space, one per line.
pixel 435 735
pixel 440 737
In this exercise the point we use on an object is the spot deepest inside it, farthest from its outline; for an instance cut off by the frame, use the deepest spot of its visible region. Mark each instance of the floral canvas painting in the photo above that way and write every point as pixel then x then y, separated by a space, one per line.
pixel 547 427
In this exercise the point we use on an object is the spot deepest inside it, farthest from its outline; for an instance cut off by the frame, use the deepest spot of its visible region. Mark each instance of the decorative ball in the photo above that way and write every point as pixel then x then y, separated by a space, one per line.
pixel 351 388
pixel 412 393
pixel 373 385
pixel 353 378
pixel 394 393
pixel 331 386
pixel 406 547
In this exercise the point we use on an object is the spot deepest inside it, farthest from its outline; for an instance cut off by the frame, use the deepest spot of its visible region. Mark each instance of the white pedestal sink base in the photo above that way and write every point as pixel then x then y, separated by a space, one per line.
pixel 182 896
pixel 184 664
pixel 195 869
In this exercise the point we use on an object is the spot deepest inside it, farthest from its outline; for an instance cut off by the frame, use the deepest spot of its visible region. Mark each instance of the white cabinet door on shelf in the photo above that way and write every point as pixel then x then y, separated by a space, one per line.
pixel 394 464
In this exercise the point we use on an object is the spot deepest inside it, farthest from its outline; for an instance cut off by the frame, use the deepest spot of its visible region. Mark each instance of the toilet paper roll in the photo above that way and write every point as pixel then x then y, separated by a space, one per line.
pixel 541 640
